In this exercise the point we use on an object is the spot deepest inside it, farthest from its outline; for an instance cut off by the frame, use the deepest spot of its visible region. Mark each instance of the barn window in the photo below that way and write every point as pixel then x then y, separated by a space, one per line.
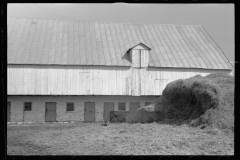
pixel 70 107
pixel 27 106
pixel 121 106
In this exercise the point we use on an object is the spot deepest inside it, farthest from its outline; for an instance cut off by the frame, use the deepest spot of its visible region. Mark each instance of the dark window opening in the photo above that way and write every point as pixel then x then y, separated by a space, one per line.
pixel 121 106
pixel 70 107
pixel 27 106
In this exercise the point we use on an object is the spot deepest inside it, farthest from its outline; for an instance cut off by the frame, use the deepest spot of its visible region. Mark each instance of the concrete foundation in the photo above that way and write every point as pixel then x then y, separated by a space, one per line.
pixel 37 114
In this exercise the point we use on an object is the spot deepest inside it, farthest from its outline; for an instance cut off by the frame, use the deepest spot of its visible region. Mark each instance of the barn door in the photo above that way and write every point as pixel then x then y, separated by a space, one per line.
pixel 89 112
pixel 8 111
pixel 108 107
pixel 50 112
pixel 134 106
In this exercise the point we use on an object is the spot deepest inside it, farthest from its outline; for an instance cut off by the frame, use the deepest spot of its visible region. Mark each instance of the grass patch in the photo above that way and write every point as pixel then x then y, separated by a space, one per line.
pixel 116 139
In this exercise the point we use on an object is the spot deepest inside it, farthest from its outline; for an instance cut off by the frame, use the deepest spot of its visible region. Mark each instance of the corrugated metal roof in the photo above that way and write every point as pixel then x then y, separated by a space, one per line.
pixel 62 42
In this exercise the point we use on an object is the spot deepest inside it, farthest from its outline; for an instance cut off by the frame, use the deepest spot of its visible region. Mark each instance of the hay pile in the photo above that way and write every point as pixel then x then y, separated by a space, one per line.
pixel 197 101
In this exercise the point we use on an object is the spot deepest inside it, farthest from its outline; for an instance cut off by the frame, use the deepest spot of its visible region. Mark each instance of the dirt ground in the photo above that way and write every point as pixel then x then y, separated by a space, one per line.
pixel 116 139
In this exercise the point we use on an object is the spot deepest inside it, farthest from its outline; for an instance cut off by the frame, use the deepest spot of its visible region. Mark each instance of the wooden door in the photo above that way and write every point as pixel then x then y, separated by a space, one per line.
pixel 108 107
pixel 134 106
pixel 51 114
pixel 8 111
pixel 89 112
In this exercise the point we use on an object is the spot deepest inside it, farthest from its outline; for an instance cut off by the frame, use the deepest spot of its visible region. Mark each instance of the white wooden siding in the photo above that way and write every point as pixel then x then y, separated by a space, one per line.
pixel 135 58
pixel 94 80
pixel 144 58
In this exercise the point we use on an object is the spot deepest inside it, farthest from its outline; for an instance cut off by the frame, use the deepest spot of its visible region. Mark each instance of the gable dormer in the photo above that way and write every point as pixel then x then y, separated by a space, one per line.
pixel 139 55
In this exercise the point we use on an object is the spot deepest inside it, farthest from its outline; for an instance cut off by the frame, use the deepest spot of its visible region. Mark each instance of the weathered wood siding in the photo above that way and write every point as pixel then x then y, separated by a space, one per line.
pixel 93 80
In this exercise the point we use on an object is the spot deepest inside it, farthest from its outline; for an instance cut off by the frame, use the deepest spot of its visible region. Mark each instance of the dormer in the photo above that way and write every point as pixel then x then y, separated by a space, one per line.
pixel 138 56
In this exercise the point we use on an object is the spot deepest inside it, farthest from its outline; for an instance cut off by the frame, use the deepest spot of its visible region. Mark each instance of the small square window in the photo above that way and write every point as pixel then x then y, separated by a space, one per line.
pixel 121 106
pixel 70 107
pixel 27 106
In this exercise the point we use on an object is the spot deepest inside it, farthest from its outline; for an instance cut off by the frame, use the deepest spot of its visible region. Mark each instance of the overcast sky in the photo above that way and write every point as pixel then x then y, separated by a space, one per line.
pixel 217 19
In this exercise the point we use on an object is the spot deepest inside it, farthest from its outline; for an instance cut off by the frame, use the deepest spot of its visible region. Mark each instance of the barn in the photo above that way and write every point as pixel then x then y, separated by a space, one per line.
pixel 63 70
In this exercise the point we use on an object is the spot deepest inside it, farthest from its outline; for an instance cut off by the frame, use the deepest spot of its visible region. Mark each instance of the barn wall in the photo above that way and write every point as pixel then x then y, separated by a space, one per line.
pixel 94 80
pixel 38 106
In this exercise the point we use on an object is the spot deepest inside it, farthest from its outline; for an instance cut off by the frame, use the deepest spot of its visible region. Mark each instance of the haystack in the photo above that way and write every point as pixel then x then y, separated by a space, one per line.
pixel 197 101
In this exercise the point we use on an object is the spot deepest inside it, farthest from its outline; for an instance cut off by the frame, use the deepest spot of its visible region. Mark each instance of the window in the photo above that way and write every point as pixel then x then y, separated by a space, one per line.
pixel 27 106
pixel 121 106
pixel 70 107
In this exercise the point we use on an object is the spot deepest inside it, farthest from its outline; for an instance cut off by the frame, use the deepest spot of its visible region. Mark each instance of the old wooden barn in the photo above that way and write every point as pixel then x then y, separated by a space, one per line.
pixel 61 70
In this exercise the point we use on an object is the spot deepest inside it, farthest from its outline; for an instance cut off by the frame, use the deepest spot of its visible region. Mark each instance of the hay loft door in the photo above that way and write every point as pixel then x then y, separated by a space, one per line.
pixel 140 59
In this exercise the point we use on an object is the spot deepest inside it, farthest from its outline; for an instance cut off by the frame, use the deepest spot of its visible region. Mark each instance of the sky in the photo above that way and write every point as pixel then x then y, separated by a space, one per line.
pixel 217 19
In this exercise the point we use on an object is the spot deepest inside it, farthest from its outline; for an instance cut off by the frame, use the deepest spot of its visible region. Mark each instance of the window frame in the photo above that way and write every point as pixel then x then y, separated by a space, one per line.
pixel 124 106
pixel 24 106
pixel 67 106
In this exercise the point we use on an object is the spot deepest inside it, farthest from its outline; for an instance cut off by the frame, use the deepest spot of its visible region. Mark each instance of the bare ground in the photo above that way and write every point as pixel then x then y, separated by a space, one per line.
pixel 116 139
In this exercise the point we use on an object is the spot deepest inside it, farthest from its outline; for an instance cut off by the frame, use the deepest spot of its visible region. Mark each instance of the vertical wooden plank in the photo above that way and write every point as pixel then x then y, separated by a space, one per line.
pixel 66 85
pixel 45 80
pixel 142 76
pixel 37 85
pixel 81 89
pixel 68 74
pixel 104 81
pixel 78 79
pixel 15 81
pixel 25 80
pixel 58 81
pixel 40 79
pixel 48 74
pixel 94 89
pixel 101 80
pixel 135 58
pixel 118 83
pixel 32 80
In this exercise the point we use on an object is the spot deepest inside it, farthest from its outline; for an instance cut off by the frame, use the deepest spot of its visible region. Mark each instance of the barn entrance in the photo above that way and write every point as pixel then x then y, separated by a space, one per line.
pixel 50 115
pixel 134 106
pixel 89 112
pixel 108 107
pixel 8 111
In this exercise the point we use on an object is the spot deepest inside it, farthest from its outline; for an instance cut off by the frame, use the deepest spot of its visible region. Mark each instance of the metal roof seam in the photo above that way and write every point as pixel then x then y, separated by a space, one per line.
pixel 153 32
pixel 182 42
pixel 204 46
pixel 192 45
pixel 212 55
pixel 168 42
pixel 173 42
pixel 218 47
